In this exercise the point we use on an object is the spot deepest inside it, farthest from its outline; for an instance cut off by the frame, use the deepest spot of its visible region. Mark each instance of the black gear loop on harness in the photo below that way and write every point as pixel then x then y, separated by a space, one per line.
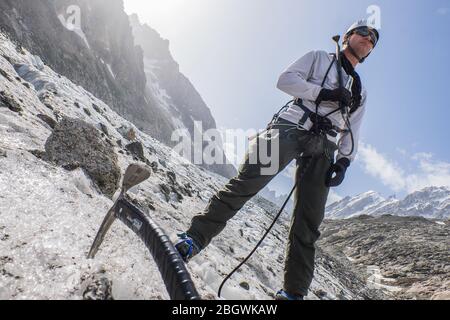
pixel 344 134
pixel 307 160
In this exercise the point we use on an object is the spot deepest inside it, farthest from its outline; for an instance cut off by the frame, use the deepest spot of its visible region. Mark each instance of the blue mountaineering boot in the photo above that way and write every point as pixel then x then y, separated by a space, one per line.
pixel 186 247
pixel 283 295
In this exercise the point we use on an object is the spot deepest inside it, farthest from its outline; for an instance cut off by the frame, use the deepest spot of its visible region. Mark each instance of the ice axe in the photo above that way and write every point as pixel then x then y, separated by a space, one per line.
pixel 170 264
pixel 134 175
pixel 342 107
pixel 339 66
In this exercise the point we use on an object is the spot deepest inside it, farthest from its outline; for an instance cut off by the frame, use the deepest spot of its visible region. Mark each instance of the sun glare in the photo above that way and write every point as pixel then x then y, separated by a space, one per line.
pixel 162 8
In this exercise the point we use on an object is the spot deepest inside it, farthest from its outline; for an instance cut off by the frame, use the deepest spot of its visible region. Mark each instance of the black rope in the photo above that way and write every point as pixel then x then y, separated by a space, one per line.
pixel 349 131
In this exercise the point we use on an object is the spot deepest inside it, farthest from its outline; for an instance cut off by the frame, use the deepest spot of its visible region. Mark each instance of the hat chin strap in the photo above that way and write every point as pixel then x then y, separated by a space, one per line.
pixel 353 53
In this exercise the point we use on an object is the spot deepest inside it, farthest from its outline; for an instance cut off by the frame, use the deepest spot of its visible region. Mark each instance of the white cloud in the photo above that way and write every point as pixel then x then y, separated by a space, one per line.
pixel 427 171
pixel 421 156
pixel 432 173
pixel 377 165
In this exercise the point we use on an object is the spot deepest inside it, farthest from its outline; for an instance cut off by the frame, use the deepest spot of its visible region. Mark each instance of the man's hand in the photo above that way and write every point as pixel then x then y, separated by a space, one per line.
pixel 339 168
pixel 337 95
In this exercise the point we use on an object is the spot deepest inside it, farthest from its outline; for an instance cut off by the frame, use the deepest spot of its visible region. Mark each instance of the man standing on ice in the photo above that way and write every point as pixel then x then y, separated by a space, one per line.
pixel 324 108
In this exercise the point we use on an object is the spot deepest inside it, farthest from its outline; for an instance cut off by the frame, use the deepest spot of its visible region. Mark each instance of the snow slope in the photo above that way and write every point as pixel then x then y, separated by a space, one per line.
pixel 431 203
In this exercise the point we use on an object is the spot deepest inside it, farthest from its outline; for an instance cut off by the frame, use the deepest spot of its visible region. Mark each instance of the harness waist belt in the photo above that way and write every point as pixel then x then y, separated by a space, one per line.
pixel 322 124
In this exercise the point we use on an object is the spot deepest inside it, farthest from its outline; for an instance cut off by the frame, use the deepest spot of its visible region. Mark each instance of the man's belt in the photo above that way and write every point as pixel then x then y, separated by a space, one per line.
pixel 322 124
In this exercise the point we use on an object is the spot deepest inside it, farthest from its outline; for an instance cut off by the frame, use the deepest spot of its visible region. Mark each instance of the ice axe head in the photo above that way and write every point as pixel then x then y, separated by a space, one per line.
pixel 336 38
pixel 134 175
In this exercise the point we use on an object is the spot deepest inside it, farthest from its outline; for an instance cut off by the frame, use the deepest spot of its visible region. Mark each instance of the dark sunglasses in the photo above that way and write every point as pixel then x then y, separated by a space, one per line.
pixel 365 31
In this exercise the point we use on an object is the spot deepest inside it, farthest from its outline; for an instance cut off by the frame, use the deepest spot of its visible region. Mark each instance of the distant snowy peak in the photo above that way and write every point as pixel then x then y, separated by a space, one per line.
pixel 431 202
pixel 353 206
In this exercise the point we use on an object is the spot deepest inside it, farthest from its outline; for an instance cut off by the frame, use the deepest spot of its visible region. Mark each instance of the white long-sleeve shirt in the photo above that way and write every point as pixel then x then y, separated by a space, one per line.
pixel 303 80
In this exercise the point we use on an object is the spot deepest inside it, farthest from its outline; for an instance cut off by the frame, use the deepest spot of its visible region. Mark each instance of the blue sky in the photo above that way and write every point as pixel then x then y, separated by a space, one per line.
pixel 233 51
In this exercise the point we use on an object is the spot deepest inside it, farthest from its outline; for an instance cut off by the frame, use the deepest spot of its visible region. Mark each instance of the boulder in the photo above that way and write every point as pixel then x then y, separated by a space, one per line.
pixel 75 143
pixel 137 150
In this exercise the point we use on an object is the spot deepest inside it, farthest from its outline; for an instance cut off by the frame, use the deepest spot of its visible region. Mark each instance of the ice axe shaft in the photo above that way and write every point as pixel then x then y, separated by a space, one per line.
pixel 106 224
pixel 134 175
pixel 339 65
pixel 344 109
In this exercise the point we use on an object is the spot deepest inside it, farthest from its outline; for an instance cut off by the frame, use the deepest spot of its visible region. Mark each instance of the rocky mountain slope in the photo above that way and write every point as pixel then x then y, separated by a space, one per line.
pixel 101 54
pixel 408 257
pixel 179 101
pixel 105 59
pixel 431 202
pixel 61 154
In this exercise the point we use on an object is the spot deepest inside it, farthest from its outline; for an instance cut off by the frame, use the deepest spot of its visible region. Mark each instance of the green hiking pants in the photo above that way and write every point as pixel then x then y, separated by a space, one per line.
pixel 309 199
